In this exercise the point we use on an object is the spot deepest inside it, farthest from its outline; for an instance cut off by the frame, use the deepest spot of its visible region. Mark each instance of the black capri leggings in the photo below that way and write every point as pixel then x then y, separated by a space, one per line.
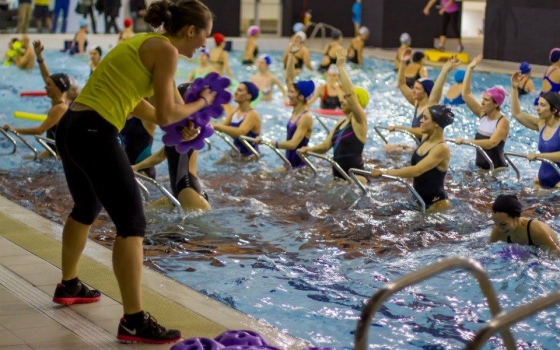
pixel 98 172
pixel 453 19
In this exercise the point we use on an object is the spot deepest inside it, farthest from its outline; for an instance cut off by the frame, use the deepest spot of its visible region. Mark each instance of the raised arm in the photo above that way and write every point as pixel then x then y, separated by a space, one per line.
pixel 525 119
pixel 227 68
pixel 290 68
pixel 468 97
pixel 437 90
pixel 348 88
pixel 307 60
pixel 429 6
pixel 38 47
pixel 401 79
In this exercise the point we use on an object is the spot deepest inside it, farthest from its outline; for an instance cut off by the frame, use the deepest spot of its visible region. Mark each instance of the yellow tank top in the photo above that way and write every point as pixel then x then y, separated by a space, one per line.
pixel 42 2
pixel 120 82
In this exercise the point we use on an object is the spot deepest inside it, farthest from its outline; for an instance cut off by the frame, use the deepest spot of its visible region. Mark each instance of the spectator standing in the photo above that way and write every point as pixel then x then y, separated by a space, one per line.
pixel 137 10
pixel 60 6
pixel 23 16
pixel 42 16
pixel 111 11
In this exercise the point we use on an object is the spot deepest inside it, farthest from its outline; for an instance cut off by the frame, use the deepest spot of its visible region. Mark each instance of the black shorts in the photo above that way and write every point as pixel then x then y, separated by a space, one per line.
pixel 41 12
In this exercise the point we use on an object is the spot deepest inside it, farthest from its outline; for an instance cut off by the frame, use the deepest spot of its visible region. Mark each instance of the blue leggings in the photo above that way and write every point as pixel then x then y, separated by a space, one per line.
pixel 60 5
pixel 98 173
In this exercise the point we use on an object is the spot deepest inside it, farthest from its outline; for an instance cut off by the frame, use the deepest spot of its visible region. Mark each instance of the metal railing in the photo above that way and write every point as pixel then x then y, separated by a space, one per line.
pixel 208 143
pixel 502 322
pixel 45 141
pixel 245 141
pixel 328 159
pixel 26 143
pixel 479 149
pixel 379 127
pixel 354 171
pixel 162 189
pixel 320 120
pixel 11 139
pixel 287 163
pixel 227 140
pixel 521 155
pixel 143 189
pixel 306 160
pixel 321 27
pixel 472 266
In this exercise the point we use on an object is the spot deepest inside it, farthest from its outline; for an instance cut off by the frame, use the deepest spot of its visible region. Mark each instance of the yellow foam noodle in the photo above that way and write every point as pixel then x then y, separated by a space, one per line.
pixel 30 116
pixel 443 56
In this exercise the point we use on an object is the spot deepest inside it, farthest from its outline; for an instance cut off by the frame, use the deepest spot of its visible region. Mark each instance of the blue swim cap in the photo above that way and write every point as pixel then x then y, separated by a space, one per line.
pixel 298 27
pixel 305 88
pixel 252 89
pixel 83 22
pixel 427 84
pixel 267 59
pixel 525 67
pixel 459 75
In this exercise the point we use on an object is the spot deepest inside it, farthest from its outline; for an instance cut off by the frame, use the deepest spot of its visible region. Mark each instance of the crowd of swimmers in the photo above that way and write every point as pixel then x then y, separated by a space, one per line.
pixel 127 112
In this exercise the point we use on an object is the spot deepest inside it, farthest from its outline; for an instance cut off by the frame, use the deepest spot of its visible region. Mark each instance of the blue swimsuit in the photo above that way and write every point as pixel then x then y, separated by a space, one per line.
pixel 456 101
pixel 240 146
pixel 554 87
pixel 292 156
pixel 548 177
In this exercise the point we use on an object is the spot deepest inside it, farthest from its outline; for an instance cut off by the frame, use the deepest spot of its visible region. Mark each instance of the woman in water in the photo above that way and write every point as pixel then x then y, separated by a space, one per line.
pixel 96 167
pixel 219 56
pixel 526 85
pixel 511 227
pixel 454 95
pixel 94 58
pixel 251 47
pixel 547 124
pixel 265 80
pixel 493 127
pixel 415 70
pixel 356 46
pixel 331 92
pixel 551 78
pixel 79 44
pixel 203 69
pixel 330 50
pixel 302 56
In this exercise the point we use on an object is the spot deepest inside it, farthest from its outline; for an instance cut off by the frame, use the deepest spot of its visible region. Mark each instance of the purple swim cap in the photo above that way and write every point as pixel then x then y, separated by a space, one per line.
pixel 497 94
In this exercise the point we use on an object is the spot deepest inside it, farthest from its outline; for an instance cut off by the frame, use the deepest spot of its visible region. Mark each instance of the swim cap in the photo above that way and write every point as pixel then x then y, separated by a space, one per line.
pixel 253 30
pixel 363 31
pixel 362 96
pixel 405 38
pixel 553 99
pixel 61 81
pixel 305 88
pixel 336 34
pixel 442 115
pixel 298 27
pixel 252 89
pixel 83 22
pixel 554 55
pixel 333 69
pixel 218 38
pixel 525 67
pixel 418 55
pixel 427 84
pixel 497 94
pixel 267 59
pixel 459 75
pixel 509 204
pixel 204 52
pixel 127 22
pixel 302 36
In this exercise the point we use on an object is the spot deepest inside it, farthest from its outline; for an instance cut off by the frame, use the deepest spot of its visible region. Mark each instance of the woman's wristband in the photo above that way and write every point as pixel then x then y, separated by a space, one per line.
pixel 276 144
pixel 40 61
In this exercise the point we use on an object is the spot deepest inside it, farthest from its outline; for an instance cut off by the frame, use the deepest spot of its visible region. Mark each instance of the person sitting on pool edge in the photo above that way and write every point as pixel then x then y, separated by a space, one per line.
pixel 511 227
pixel 244 121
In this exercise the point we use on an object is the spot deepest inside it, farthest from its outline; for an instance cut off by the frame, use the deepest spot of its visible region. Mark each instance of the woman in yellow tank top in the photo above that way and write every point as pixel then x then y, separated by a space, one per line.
pixel 97 170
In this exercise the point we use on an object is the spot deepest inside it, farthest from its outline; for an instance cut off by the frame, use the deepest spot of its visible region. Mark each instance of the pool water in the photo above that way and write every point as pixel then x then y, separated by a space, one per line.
pixel 304 254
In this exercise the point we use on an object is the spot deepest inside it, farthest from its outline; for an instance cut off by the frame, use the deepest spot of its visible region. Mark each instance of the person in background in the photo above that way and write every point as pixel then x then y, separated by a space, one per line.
pixel 454 95
pixel 42 15
pixel 356 46
pixel 302 56
pixel 23 16
pixel 14 51
pixel 137 10
pixel 330 50
pixel 137 138
pixel 450 12
pixel 526 85
pixel 219 56
pixel 111 12
pixel 415 70
pixel 551 78
pixel 251 48
pixel 79 44
pixel 94 58
pixel 265 80
pixel 357 16
pixel 60 6
pixel 88 4
pixel 511 227
pixel 203 69
pixel 405 40
pixel 331 92
pixel 127 31
pixel 27 60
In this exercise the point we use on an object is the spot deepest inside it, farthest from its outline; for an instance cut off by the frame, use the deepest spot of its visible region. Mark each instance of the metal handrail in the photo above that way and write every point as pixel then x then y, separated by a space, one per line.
pixel 306 160
pixel 322 27
pixel 162 189
pixel 333 163
pixel 25 142
pixel 354 171
pixel 479 149
pixel 521 155
pixel 227 140
pixel 250 147
pixel 276 150
pixel 44 141
pixel 208 143
pixel 377 127
pixel 11 139
pixel 505 320
pixel 322 123
pixel 143 189
pixel 472 266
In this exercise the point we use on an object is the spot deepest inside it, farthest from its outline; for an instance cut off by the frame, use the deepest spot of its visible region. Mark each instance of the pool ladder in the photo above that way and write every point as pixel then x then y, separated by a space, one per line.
pixel 43 141
pixel 500 322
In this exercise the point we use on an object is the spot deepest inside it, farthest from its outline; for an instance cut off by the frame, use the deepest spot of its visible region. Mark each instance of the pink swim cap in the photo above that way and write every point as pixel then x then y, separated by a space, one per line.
pixel 253 30
pixel 497 94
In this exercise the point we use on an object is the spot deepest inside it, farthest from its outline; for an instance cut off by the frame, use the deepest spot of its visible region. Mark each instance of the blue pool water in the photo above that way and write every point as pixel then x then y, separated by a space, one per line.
pixel 304 254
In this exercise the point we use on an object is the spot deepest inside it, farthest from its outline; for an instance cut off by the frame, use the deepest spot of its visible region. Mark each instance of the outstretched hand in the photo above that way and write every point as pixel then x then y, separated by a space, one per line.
pixel 452 63
pixel 406 55
pixel 38 47
pixel 475 61
pixel 341 56
pixel 516 79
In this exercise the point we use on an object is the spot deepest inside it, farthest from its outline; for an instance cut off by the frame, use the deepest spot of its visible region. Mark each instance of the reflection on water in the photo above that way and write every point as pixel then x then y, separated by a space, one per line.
pixel 285 247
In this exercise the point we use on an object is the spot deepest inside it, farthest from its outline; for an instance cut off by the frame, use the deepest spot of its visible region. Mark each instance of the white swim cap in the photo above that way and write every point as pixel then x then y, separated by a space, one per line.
pixel 301 35
pixel 363 31
pixel 333 69
pixel 405 38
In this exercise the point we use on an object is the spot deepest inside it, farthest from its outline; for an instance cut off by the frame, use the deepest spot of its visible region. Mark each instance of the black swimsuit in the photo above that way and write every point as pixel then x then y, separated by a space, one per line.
pixel 324 68
pixel 137 143
pixel 429 185
pixel 347 149
pixel 410 81
pixel 179 175
pixel 528 234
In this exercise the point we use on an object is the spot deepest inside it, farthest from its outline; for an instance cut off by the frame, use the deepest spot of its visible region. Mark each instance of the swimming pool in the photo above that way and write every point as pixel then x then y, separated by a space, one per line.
pixel 304 254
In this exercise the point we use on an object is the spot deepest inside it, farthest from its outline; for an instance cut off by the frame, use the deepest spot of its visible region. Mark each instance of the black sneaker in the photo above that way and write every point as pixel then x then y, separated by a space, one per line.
pixel 149 331
pixel 77 295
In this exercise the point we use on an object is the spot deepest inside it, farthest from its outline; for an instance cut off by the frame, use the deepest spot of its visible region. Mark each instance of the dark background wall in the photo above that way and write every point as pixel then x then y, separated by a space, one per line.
pixel 521 30
pixel 386 19
pixel 228 16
